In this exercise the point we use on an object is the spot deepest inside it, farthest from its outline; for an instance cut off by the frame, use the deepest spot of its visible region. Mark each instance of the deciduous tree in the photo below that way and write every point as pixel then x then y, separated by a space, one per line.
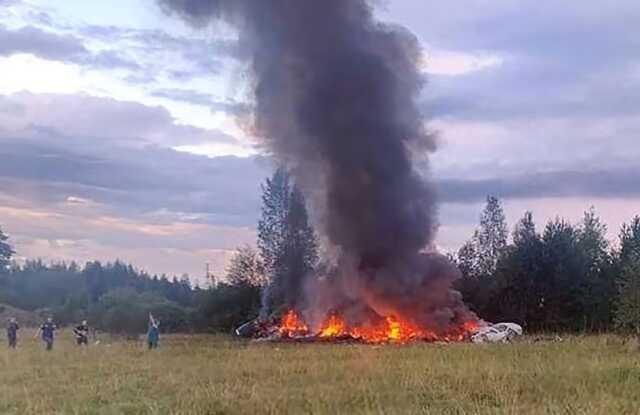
pixel 246 268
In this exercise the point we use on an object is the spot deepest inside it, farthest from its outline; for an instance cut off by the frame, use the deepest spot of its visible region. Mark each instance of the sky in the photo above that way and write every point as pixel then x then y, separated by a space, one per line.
pixel 121 129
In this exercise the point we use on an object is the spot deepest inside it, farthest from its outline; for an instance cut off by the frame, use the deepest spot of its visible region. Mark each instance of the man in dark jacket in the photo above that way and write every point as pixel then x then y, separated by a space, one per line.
pixel 82 333
pixel 47 330
pixel 12 332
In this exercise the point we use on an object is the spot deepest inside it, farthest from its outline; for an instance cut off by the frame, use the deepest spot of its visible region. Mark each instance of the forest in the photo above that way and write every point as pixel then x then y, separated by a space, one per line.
pixel 561 277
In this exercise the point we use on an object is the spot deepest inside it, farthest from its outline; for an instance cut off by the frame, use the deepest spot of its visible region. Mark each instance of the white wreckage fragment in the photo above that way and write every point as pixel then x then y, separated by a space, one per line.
pixel 497 333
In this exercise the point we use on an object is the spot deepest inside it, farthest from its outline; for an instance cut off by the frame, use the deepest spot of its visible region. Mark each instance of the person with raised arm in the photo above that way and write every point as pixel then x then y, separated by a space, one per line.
pixel 153 333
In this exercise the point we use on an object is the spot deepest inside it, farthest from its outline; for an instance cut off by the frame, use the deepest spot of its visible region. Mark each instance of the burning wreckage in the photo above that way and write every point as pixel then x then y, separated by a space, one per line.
pixel 334 328
pixel 389 330
pixel 336 103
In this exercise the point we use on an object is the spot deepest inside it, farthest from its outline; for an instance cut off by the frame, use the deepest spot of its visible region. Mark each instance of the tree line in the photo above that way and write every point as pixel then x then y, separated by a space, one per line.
pixel 564 277
pixel 116 297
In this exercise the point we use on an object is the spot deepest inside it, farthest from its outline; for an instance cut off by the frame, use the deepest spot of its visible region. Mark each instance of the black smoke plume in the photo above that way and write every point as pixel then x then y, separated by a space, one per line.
pixel 335 100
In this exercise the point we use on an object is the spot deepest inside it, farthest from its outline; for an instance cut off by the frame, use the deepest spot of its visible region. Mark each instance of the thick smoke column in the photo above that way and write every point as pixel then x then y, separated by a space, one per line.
pixel 335 96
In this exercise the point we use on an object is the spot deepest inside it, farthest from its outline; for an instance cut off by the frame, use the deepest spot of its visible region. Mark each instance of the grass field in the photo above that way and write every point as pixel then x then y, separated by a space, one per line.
pixel 218 375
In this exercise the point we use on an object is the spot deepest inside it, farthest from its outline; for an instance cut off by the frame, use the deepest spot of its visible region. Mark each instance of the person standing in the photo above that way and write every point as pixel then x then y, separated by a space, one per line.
pixel 12 332
pixel 153 333
pixel 47 330
pixel 82 333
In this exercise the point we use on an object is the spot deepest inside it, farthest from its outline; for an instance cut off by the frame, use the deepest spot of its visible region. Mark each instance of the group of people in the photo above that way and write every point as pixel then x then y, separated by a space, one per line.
pixel 47 332
pixel 81 333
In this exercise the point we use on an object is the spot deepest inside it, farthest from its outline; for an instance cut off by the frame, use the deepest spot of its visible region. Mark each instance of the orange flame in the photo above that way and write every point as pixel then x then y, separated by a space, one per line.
pixel 291 325
pixel 389 330
pixel 333 327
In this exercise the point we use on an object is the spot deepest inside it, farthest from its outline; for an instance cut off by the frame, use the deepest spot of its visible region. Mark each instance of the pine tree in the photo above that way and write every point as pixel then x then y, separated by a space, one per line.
pixel 272 226
pixel 628 302
pixel 6 252
pixel 525 231
pixel 516 293
pixel 627 265
pixel 301 250
pixel 598 284
pixel 630 241
pixel 286 241
pixel 561 278
pixel 95 280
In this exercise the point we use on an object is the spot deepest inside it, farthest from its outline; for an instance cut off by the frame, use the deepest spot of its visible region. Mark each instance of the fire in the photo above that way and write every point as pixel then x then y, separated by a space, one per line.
pixel 394 329
pixel 333 327
pixel 291 325
pixel 391 329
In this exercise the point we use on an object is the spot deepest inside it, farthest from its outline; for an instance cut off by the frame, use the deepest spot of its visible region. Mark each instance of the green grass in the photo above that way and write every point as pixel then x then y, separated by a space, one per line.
pixel 218 375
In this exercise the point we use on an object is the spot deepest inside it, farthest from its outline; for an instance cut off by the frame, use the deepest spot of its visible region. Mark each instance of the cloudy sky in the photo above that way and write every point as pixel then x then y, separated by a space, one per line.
pixel 121 129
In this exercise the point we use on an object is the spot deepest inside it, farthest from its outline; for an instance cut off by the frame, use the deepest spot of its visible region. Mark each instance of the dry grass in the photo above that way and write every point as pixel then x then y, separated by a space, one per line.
pixel 217 375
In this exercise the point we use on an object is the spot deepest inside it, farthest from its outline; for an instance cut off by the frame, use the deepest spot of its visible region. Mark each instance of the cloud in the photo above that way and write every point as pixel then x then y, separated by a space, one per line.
pixel 578 60
pixel 118 154
pixel 528 26
pixel 39 43
pixel 557 119
pixel 159 185
pixel 8 3
pixel 147 50
pixel 522 89
pixel 204 99
pixel 58 47
pixel 603 184
pixel 111 59
pixel 84 234
pixel 456 63
pixel 488 149
pixel 193 56
pixel 88 121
